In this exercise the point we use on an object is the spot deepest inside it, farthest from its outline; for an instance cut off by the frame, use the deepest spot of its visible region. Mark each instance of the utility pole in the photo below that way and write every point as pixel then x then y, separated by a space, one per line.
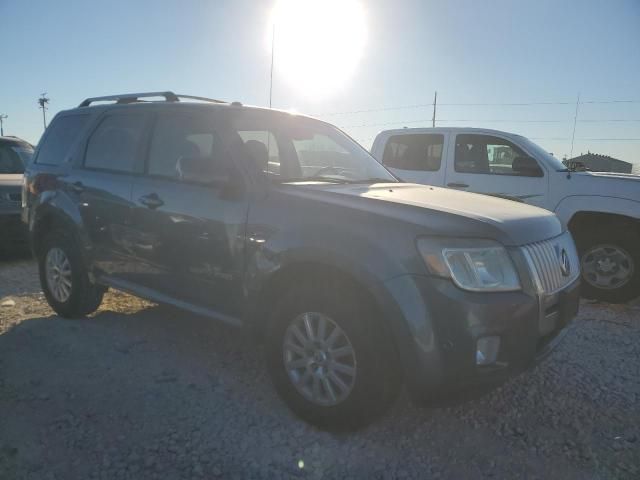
pixel 435 102
pixel 2 117
pixel 575 120
pixel 43 100
pixel 273 47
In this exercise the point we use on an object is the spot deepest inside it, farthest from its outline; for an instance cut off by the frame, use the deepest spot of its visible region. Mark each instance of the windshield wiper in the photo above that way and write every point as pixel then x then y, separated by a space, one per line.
pixel 373 180
pixel 313 178
pixel 340 181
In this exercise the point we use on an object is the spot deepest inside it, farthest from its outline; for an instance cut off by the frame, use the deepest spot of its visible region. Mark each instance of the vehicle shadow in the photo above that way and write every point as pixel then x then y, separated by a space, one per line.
pixel 159 381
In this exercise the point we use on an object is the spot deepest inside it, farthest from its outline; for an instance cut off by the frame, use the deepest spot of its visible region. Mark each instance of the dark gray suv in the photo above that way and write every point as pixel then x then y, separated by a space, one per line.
pixel 281 223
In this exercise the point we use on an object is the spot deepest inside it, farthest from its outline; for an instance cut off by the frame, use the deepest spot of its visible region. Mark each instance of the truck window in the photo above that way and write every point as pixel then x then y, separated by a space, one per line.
pixel 59 138
pixel 115 144
pixel 486 154
pixel 420 152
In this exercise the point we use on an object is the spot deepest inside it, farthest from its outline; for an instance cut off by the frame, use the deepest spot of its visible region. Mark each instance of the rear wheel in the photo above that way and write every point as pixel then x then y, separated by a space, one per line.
pixel 328 358
pixel 610 262
pixel 64 278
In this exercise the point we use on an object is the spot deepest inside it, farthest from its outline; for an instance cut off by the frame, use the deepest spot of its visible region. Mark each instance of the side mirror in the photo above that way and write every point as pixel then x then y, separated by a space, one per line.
pixel 203 170
pixel 526 166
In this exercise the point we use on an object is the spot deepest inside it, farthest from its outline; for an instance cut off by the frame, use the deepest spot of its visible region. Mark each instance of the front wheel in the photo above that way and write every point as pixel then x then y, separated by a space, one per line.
pixel 328 359
pixel 610 262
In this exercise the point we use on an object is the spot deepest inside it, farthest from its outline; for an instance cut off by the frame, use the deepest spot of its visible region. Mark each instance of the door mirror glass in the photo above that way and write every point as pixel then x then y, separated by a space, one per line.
pixel 527 167
pixel 203 170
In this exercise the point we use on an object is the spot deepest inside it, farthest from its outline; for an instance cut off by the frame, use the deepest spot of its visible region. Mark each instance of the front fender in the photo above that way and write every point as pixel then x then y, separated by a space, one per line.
pixel 571 205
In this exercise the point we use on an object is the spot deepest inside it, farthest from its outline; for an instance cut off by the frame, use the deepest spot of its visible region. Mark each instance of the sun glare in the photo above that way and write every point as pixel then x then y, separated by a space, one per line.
pixel 318 43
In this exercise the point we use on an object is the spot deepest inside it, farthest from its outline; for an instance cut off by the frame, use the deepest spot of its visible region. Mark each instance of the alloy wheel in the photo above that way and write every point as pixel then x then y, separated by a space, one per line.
pixel 58 274
pixel 319 359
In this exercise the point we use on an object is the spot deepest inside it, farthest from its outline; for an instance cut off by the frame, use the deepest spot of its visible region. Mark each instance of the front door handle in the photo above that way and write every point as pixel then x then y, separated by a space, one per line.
pixel 151 200
pixel 77 187
pixel 457 185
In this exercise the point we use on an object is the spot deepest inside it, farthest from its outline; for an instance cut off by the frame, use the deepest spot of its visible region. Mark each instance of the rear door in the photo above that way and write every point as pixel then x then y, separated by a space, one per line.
pixel 417 157
pixel 189 236
pixel 102 184
pixel 489 164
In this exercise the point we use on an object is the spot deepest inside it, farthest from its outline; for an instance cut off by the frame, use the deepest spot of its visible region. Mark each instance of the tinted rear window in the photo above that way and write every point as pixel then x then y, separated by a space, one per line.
pixel 421 152
pixel 59 138
pixel 115 143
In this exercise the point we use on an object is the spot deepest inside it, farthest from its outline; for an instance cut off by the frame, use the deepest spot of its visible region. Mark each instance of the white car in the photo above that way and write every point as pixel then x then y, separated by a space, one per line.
pixel 602 210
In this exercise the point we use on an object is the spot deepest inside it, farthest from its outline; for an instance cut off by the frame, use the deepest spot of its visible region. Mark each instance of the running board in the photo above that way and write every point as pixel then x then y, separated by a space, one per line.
pixel 155 296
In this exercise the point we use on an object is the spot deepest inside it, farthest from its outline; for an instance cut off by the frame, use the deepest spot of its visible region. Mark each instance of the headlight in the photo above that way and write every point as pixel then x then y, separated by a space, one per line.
pixel 476 265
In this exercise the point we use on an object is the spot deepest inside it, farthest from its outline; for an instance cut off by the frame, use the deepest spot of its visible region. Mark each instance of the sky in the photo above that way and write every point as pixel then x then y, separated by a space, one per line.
pixel 541 53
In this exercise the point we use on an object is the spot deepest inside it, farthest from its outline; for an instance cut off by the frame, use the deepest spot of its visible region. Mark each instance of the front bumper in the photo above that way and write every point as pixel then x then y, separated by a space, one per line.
pixel 444 324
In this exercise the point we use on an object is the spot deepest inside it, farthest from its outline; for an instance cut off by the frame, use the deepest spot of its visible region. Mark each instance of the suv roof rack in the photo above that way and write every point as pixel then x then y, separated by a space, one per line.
pixel 135 97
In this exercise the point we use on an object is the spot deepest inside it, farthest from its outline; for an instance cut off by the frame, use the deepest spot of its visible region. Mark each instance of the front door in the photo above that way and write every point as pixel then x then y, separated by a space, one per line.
pixel 495 166
pixel 189 240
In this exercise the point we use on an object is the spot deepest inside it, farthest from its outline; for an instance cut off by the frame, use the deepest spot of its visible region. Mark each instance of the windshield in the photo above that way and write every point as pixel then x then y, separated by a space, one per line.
pixel 289 148
pixel 541 153
pixel 13 158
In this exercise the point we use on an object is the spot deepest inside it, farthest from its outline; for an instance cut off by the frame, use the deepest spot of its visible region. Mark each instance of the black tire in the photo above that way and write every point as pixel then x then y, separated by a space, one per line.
pixel 624 239
pixel 377 379
pixel 85 297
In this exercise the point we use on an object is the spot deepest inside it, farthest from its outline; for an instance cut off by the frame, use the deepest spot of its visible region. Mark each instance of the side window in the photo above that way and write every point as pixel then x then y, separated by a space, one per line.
pixel 114 145
pixel 491 155
pixel 177 136
pixel 59 138
pixel 263 147
pixel 421 152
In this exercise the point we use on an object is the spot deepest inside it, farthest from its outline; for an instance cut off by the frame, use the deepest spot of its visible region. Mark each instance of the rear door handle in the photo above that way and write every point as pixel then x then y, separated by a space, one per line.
pixel 457 185
pixel 151 200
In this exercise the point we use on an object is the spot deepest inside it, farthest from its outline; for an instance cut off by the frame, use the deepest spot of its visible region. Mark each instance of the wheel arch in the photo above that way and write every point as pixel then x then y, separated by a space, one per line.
pixel 366 288
pixel 582 221
pixel 48 218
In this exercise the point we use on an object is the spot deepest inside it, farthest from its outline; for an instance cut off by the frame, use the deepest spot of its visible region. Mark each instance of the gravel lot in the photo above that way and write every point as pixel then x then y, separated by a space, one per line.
pixel 139 391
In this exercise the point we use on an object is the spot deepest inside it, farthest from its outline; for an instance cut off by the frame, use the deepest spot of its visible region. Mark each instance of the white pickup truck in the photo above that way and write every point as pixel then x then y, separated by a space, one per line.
pixel 602 210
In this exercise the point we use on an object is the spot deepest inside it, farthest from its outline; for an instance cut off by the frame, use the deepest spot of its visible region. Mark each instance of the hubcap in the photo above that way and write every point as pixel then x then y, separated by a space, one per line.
pixel 319 359
pixel 607 266
pixel 58 274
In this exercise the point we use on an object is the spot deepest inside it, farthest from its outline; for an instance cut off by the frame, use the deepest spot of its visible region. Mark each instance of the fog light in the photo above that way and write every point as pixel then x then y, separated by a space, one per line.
pixel 487 350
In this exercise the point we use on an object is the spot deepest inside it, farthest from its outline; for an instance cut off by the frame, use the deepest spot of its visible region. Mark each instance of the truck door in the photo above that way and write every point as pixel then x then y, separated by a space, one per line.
pixel 495 166
pixel 417 157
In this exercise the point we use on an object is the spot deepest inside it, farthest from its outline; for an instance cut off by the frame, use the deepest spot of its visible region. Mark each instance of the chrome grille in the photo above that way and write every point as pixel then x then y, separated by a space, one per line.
pixel 546 262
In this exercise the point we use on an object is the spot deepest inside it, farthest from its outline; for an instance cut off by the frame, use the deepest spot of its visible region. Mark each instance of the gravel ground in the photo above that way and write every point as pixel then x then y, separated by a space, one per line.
pixel 139 391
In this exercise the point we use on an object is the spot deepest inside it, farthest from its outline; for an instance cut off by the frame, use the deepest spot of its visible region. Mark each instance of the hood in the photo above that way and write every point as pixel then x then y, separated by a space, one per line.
pixel 624 176
pixel 441 211
pixel 609 184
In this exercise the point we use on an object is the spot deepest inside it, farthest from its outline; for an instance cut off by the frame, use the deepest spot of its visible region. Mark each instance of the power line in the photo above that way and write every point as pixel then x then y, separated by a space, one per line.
pixel 424 120
pixel 611 139
pixel 472 104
